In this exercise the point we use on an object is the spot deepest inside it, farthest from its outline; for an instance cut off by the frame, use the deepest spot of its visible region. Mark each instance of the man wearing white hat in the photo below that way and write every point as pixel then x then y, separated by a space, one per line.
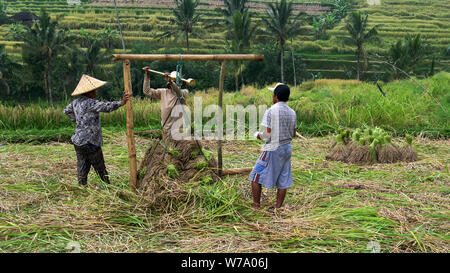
pixel 87 139
pixel 168 96
pixel 273 167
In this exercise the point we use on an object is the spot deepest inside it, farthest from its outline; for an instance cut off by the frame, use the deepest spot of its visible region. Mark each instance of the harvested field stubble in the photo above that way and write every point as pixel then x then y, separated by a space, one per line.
pixel 332 207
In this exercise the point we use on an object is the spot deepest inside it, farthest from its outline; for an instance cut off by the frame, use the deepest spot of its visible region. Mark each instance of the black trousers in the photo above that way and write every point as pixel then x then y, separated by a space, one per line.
pixel 87 156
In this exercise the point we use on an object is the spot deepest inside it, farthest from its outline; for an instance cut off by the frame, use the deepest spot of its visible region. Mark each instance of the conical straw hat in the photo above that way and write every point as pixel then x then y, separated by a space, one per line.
pixel 87 84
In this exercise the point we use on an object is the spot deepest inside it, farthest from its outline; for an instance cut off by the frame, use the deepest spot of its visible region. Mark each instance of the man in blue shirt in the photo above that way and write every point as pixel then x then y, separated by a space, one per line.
pixel 87 139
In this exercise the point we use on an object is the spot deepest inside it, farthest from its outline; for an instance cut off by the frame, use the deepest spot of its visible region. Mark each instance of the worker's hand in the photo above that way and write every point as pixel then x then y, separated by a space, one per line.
pixel 147 70
pixel 166 77
pixel 125 98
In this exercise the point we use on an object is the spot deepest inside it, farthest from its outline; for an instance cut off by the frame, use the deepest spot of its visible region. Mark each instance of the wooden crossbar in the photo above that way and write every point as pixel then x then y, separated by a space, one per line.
pixel 126 58
pixel 188 57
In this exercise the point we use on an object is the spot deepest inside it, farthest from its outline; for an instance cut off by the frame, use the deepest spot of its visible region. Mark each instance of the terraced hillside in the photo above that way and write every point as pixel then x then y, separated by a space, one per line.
pixel 310 7
pixel 145 19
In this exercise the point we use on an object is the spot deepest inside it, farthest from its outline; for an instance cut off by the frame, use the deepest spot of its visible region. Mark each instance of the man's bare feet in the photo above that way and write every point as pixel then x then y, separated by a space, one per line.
pixel 256 206
pixel 273 209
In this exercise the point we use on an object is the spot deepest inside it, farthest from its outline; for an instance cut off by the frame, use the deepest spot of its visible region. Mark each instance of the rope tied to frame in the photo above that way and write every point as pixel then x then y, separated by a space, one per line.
pixel 178 81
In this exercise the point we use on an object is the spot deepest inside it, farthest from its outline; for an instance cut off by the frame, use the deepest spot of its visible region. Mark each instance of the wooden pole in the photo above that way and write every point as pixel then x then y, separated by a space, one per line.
pixel 189 57
pixel 236 171
pixel 219 146
pixel 130 125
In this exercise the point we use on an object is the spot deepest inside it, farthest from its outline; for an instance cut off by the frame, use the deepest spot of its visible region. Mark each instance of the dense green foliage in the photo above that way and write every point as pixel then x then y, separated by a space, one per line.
pixel 321 106
pixel 406 55
pixel 325 57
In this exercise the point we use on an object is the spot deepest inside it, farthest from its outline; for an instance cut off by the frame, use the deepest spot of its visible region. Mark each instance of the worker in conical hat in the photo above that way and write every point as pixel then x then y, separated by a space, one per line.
pixel 87 139
pixel 168 96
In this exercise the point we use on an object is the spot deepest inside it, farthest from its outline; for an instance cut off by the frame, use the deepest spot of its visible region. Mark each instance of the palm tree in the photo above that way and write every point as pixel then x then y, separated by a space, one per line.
pixel 233 6
pixel 318 24
pixel 406 54
pixel 356 27
pixel 7 69
pixel 185 19
pixel 3 16
pixel 241 33
pixel 42 43
pixel 241 30
pixel 93 57
pixel 282 24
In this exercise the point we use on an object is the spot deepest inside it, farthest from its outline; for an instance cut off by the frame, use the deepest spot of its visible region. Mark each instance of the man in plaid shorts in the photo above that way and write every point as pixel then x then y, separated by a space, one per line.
pixel 273 167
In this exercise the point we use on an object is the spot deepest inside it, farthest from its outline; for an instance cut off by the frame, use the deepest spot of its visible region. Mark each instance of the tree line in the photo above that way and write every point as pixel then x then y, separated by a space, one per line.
pixel 54 58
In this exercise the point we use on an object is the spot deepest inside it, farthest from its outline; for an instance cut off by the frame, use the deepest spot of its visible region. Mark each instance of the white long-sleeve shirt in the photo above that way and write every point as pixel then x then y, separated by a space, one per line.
pixel 168 101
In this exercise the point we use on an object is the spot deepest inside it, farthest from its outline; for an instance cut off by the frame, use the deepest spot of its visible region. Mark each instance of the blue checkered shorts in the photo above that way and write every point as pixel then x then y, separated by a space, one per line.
pixel 273 168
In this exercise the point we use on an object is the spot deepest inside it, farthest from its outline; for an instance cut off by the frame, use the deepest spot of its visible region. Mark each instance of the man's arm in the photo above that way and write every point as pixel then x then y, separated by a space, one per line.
pixel 185 92
pixel 150 92
pixel 69 112
pixel 265 134
pixel 266 122
pixel 176 89
pixel 110 106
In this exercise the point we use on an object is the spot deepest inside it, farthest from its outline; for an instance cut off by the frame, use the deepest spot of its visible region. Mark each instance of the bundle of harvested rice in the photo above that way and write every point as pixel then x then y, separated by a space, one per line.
pixel 360 154
pixel 340 151
pixel 408 154
pixel 168 167
pixel 369 146
pixel 389 153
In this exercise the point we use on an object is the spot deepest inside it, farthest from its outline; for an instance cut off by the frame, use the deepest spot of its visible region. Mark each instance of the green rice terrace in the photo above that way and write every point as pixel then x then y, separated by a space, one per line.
pixel 325 56
pixel 370 166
